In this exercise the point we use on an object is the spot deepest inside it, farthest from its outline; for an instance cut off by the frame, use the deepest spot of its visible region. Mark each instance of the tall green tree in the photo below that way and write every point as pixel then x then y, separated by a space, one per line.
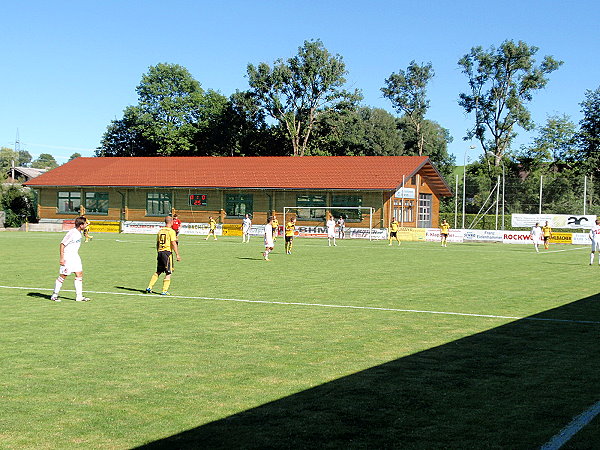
pixel 502 82
pixel 589 131
pixel 407 90
pixel 296 91
pixel 555 145
pixel 169 103
pixel 362 132
pixel 44 161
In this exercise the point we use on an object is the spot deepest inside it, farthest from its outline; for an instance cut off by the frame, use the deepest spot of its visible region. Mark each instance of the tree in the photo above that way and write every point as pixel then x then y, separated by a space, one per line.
pixel 407 91
pixel 124 137
pixel 589 131
pixel 74 156
pixel 169 103
pixel 22 158
pixel 362 132
pixel 44 161
pixel 295 92
pixel 501 83
pixel 555 145
pixel 434 140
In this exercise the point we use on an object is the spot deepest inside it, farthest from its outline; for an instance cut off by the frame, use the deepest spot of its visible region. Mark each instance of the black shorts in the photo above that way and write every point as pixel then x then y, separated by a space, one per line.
pixel 444 235
pixel 163 262
pixel 393 234
pixel 546 238
pixel 289 238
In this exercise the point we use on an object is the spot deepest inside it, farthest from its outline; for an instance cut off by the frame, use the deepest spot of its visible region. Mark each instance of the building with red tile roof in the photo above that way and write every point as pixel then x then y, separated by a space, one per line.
pixel 147 188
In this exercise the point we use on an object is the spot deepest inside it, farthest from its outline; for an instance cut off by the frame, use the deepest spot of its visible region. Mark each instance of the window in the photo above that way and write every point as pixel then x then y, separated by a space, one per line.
pixel 403 210
pixel 158 204
pixel 69 202
pixel 238 205
pixel 315 202
pixel 337 210
pixel 96 202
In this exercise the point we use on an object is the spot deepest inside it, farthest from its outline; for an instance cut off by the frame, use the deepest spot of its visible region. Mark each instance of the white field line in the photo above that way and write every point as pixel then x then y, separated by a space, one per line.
pixel 564 250
pixel 321 305
pixel 579 422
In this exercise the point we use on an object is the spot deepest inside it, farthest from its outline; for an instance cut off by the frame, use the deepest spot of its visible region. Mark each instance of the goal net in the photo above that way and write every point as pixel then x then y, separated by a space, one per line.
pixel 349 213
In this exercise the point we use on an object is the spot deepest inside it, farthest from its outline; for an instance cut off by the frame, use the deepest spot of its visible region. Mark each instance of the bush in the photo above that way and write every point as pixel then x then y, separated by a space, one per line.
pixel 19 204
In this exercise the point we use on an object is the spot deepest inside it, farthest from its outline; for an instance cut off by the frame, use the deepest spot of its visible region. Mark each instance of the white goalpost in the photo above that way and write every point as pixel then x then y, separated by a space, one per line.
pixel 327 210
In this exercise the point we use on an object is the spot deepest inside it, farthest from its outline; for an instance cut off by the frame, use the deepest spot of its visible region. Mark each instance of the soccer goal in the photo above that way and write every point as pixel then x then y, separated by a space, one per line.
pixel 319 213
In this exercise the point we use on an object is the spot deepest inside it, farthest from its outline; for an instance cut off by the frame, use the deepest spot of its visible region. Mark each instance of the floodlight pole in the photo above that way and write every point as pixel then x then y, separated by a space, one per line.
pixel 456 202
pixel 464 184
pixel 541 189
pixel 584 193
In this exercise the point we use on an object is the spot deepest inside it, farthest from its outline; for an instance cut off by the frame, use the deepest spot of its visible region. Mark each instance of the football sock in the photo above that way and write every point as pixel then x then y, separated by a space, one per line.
pixel 153 280
pixel 58 284
pixel 166 284
pixel 78 287
pixel 591 258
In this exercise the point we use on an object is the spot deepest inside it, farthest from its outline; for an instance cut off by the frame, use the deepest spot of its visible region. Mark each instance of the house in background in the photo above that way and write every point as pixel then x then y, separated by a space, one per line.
pixel 408 188
pixel 23 174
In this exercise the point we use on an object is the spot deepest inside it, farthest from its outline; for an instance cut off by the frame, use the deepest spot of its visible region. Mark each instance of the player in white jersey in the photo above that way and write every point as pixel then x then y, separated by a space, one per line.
pixel 595 238
pixel 70 261
pixel 536 236
pixel 331 231
pixel 269 244
pixel 246 225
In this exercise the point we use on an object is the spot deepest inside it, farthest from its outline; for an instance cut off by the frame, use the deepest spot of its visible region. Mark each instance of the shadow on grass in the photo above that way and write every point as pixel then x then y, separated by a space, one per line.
pixel 514 386
pixel 39 295
pixel 123 288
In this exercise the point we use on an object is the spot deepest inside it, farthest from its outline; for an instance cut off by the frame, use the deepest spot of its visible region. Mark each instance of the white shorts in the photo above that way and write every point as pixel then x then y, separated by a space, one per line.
pixel 269 242
pixel 73 264
pixel 596 246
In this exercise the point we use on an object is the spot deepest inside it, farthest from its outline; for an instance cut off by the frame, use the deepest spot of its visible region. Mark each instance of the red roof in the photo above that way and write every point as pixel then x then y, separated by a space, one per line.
pixel 276 172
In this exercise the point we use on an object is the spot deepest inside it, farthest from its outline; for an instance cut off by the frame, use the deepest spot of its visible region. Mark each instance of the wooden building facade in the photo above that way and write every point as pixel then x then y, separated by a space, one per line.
pixel 408 188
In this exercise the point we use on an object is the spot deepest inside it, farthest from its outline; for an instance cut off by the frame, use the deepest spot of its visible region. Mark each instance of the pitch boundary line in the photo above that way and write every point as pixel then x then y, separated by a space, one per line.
pixel 576 425
pixel 324 305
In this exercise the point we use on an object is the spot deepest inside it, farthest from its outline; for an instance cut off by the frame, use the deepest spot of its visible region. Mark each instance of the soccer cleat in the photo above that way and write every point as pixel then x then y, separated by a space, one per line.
pixel 165 293
pixel 148 291
pixel 82 299
pixel 55 298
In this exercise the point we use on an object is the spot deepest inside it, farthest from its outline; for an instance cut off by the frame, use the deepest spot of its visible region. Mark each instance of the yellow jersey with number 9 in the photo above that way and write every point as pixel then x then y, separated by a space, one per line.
pixel 164 238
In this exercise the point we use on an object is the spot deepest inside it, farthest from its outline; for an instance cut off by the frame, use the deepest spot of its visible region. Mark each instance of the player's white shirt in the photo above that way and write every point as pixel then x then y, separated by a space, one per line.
pixel 341 222
pixel 269 235
pixel 331 228
pixel 536 234
pixel 246 224
pixel 595 237
pixel 72 242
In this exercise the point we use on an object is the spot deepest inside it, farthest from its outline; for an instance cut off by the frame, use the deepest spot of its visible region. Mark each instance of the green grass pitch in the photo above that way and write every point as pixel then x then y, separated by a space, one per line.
pixel 354 346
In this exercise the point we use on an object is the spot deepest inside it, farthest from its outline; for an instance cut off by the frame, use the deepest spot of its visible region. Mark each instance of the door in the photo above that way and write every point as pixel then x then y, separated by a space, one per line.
pixel 424 220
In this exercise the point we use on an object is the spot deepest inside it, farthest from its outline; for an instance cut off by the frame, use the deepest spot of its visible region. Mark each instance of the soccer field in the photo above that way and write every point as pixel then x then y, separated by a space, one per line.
pixel 362 345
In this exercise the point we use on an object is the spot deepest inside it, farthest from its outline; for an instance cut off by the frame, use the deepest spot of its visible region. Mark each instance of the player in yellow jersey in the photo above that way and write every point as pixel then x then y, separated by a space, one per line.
pixel 275 225
pixel 547 233
pixel 212 227
pixel 444 232
pixel 394 228
pixel 290 227
pixel 86 231
pixel 166 245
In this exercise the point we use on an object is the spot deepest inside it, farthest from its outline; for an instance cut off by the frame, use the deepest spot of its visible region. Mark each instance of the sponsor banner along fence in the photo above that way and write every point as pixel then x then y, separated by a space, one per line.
pixel 484 235
pixel 104 226
pixel 434 235
pixel 574 221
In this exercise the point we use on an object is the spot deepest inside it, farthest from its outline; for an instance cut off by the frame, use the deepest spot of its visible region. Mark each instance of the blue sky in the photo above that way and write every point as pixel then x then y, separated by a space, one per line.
pixel 69 67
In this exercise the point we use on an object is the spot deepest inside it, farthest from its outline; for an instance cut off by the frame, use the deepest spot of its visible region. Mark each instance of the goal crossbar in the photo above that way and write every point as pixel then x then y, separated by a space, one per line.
pixel 328 209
